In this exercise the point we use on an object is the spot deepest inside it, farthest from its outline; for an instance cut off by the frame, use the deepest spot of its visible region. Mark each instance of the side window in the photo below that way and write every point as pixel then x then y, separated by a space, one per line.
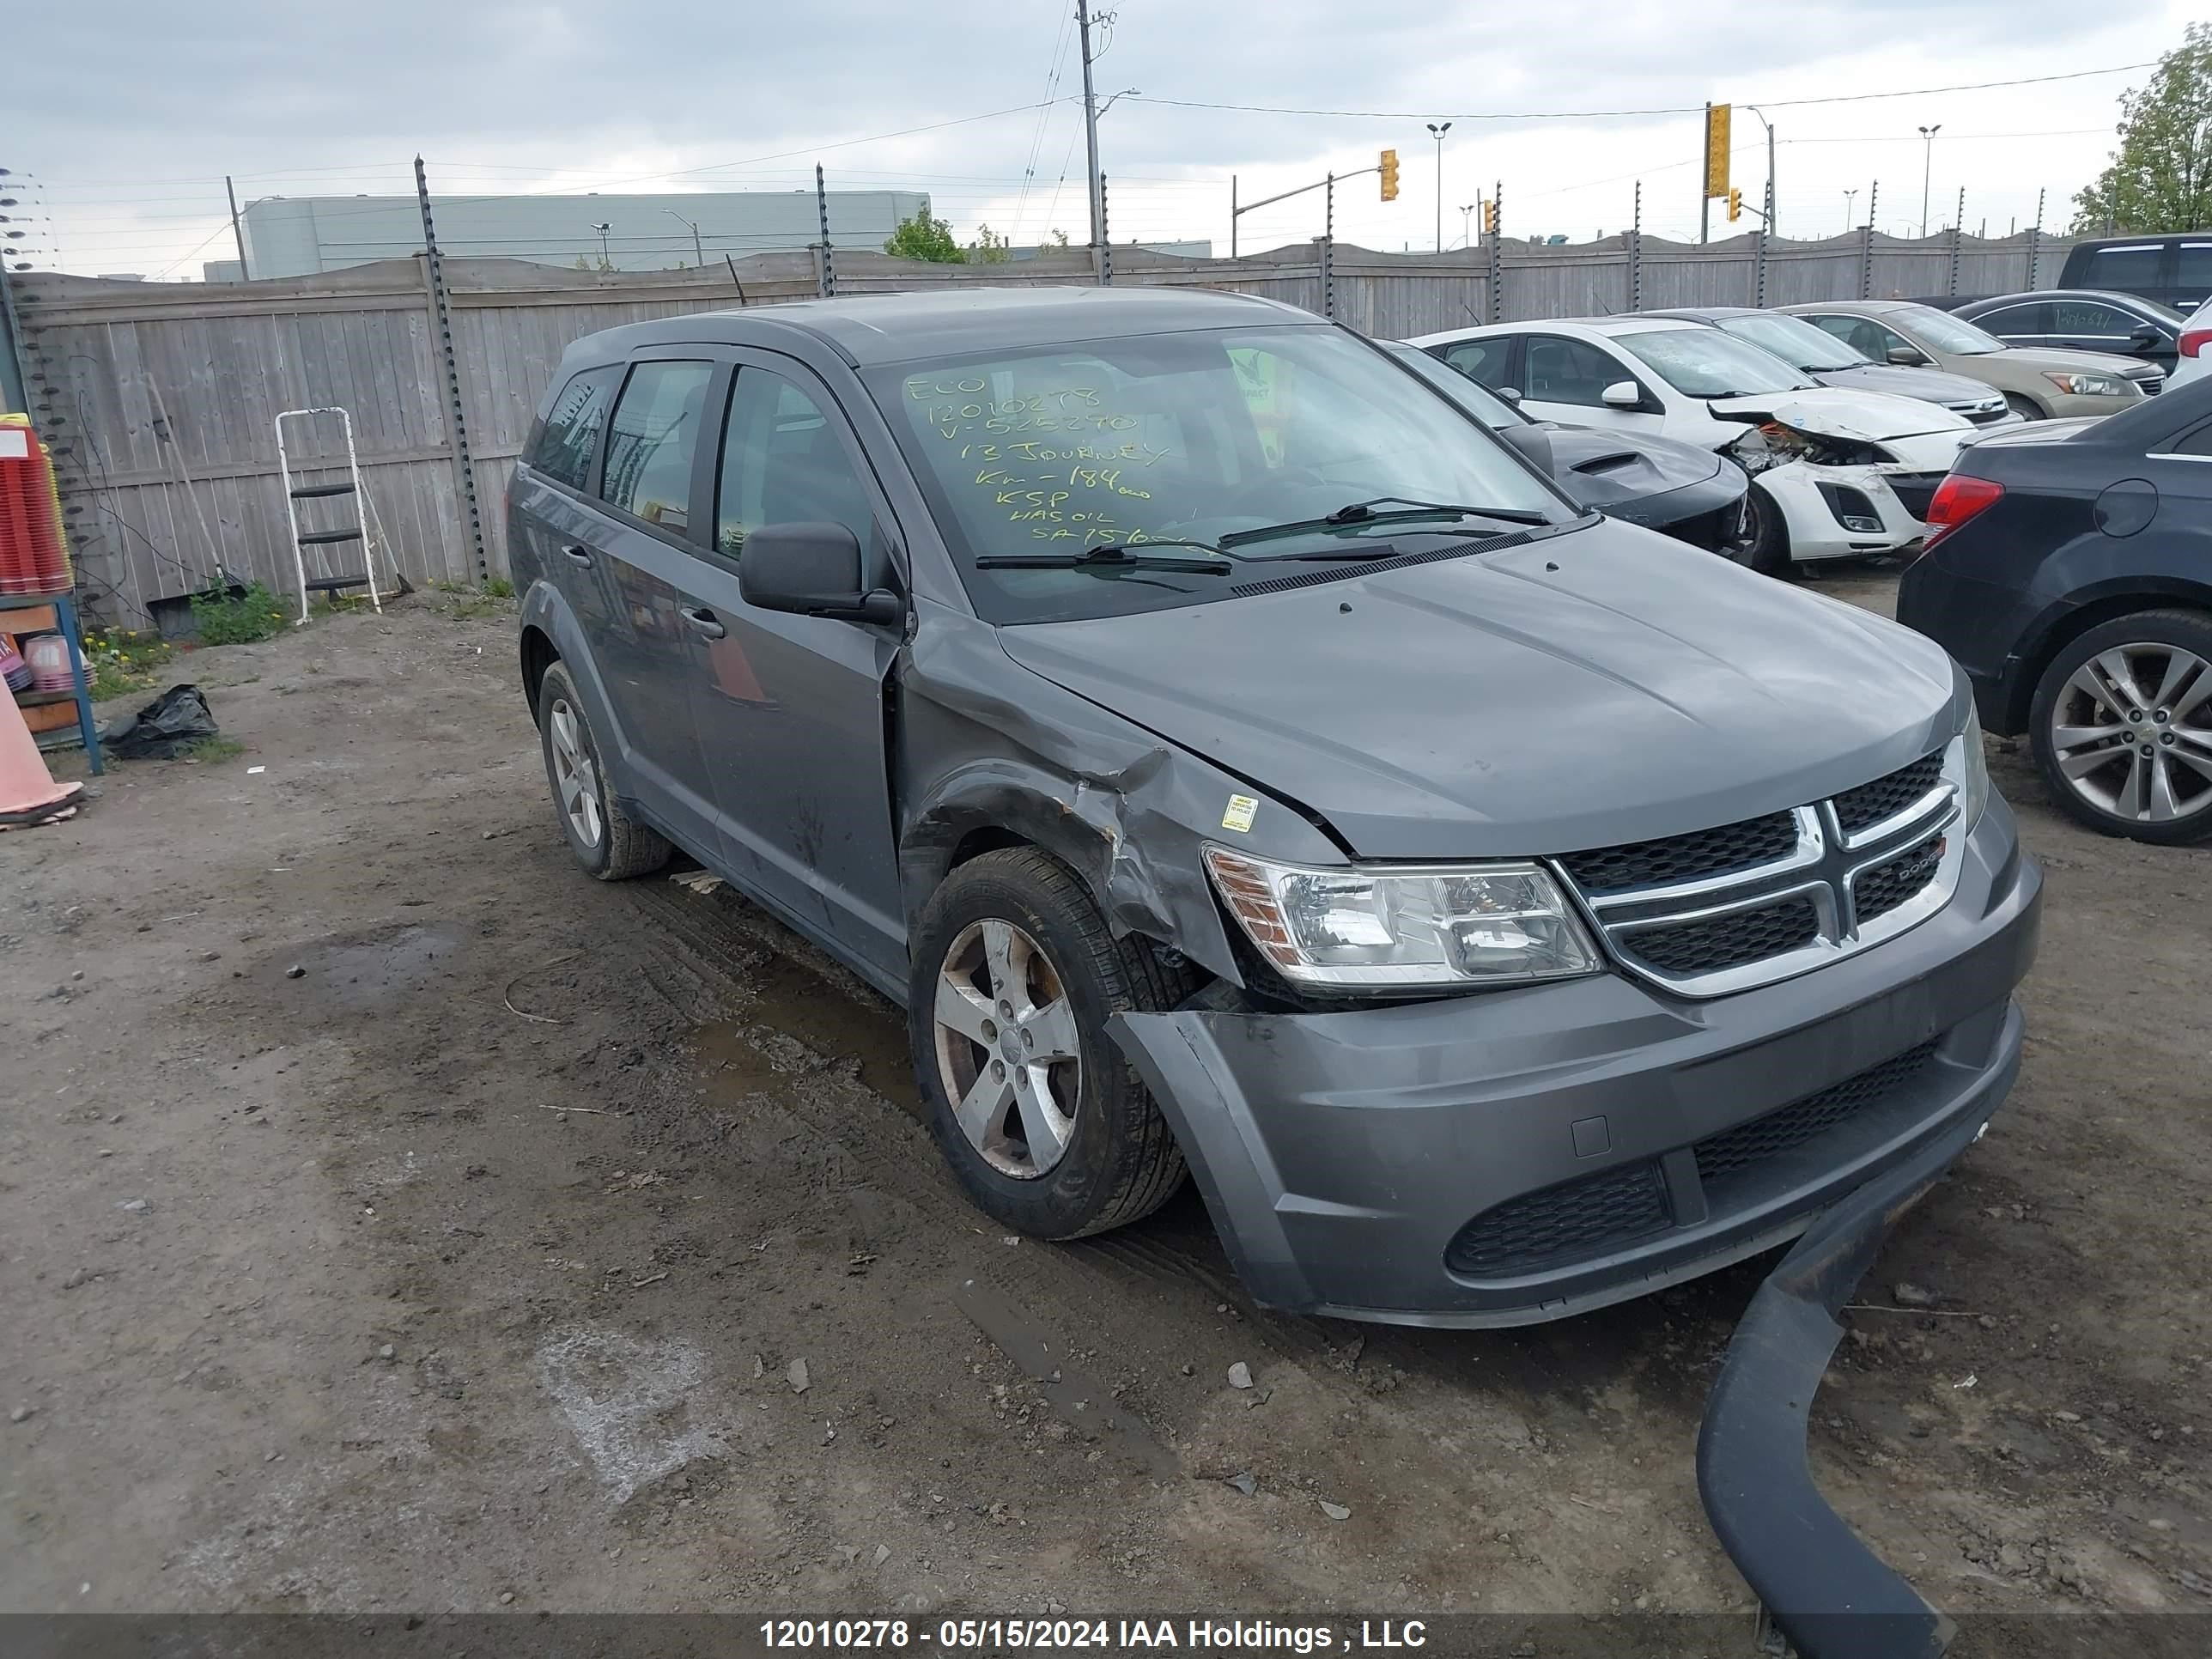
pixel 652 443
pixel 2014 322
pixel 2192 268
pixel 1840 327
pixel 2129 269
pixel 564 446
pixel 784 461
pixel 1563 371
pixel 2199 443
pixel 1865 334
pixel 1483 362
pixel 2090 317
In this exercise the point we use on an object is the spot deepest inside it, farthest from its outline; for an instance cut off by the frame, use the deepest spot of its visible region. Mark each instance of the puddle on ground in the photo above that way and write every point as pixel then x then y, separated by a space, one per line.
pixel 794 1001
pixel 370 970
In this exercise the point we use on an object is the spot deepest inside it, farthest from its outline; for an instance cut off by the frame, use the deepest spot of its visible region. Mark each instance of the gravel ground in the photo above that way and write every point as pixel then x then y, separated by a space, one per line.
pixel 392 1219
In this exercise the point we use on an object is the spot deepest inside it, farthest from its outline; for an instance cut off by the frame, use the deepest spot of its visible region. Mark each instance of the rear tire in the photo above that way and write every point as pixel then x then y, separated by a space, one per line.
pixel 2108 758
pixel 1082 1147
pixel 607 842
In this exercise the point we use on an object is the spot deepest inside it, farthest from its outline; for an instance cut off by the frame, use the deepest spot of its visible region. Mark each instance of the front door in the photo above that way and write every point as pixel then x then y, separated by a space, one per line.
pixel 637 563
pixel 790 709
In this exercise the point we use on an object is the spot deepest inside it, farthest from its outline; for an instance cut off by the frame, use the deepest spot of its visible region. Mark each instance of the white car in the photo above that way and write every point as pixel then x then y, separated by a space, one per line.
pixel 1835 474
pixel 2195 341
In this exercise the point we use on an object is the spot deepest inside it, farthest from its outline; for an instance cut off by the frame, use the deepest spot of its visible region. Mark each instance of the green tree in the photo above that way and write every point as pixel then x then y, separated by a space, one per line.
pixel 2160 178
pixel 924 238
pixel 990 248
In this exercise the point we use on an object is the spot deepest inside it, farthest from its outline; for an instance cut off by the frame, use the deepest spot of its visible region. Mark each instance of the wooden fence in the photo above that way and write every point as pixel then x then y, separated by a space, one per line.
pixel 158 398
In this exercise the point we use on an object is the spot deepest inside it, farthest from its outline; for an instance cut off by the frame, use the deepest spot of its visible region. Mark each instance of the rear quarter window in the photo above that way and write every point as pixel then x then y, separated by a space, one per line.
pixel 563 447
pixel 2124 268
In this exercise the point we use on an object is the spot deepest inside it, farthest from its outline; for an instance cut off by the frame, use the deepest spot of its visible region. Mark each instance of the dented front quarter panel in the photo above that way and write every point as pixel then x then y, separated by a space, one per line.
pixel 984 744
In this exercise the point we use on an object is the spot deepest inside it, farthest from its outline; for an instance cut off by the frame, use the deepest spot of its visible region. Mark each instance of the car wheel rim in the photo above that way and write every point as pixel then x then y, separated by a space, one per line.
pixel 2131 732
pixel 574 777
pixel 1007 1050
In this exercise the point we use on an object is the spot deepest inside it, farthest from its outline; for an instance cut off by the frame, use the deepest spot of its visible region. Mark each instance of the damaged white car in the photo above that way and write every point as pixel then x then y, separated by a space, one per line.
pixel 1835 474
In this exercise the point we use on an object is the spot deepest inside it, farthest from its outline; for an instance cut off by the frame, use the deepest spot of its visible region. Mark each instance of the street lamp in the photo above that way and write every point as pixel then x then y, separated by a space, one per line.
pixel 1437 133
pixel 1769 215
pixel 606 260
pixel 1927 162
pixel 1848 219
pixel 697 254
pixel 1466 235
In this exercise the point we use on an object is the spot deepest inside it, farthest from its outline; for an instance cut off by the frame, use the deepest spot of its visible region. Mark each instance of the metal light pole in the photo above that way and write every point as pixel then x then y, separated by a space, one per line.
pixel 698 254
pixel 1769 125
pixel 1437 133
pixel 1849 197
pixel 1090 119
pixel 1927 164
pixel 1466 235
pixel 238 233
pixel 606 259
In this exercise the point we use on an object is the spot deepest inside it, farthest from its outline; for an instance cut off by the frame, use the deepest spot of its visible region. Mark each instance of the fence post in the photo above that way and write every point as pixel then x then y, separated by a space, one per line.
pixel 1105 240
pixel 1328 248
pixel 457 414
pixel 1759 269
pixel 1866 243
pixel 825 270
pixel 2035 244
pixel 1636 253
pixel 1497 252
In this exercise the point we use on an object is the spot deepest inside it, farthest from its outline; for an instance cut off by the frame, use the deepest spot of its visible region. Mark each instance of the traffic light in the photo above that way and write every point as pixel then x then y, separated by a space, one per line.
pixel 1490 217
pixel 1390 171
pixel 1735 205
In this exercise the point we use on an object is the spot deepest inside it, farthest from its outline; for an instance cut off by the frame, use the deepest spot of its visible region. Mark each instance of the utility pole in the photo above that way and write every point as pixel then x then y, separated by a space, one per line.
pixel 1769 125
pixel 1927 164
pixel 1437 133
pixel 1232 215
pixel 1705 182
pixel 236 230
pixel 698 255
pixel 1089 123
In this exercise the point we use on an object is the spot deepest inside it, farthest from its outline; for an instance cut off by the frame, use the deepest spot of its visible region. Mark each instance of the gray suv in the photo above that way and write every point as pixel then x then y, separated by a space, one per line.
pixel 1501 911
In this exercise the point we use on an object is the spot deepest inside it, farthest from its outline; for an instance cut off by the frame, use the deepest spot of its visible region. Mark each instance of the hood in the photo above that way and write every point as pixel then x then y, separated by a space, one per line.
pixel 1932 386
pixel 1858 417
pixel 1585 689
pixel 1605 469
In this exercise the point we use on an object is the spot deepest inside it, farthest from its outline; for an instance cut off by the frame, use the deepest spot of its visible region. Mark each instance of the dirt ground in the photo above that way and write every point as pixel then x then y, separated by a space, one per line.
pixel 392 1219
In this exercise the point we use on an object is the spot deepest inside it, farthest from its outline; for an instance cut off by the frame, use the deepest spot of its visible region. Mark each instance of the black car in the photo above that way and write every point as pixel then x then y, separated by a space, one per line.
pixel 2087 319
pixel 2068 568
pixel 1677 489
pixel 2174 271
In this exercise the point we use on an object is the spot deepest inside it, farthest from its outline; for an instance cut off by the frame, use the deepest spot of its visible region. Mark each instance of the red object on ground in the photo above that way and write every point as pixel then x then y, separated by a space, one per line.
pixel 33 559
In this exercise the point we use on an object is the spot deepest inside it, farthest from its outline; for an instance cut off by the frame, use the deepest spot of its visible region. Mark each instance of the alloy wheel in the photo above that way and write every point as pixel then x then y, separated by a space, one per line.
pixel 576 778
pixel 2131 732
pixel 1007 1050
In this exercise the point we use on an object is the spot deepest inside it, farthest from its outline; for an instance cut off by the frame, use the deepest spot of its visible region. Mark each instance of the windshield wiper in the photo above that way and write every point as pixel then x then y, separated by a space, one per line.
pixel 1357 512
pixel 1114 555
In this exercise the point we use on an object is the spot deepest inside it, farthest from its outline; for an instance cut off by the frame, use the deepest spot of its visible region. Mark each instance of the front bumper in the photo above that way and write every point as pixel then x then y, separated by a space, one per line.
pixel 1812 501
pixel 1342 1155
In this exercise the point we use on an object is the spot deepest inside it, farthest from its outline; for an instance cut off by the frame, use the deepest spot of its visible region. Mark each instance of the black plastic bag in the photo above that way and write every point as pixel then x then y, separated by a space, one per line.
pixel 165 728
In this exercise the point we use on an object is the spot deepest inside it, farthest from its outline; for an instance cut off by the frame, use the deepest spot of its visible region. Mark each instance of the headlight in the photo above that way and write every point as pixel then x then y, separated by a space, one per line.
pixel 2089 386
pixel 1362 927
pixel 1976 795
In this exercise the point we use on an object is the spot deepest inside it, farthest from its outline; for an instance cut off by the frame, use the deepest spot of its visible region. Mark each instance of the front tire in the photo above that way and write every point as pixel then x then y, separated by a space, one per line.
pixel 1048 1129
pixel 2027 408
pixel 607 842
pixel 1766 549
pixel 2121 725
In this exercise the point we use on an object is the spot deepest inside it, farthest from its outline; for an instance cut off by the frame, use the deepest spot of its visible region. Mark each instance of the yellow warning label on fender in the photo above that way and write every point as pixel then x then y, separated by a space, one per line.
pixel 1239 815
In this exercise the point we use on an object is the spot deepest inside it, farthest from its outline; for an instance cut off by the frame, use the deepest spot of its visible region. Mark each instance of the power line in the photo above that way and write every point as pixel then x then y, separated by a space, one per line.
pixel 1609 114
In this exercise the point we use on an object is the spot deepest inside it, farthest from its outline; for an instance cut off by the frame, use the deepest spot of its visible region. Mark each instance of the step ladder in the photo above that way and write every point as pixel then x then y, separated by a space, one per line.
pixel 357 532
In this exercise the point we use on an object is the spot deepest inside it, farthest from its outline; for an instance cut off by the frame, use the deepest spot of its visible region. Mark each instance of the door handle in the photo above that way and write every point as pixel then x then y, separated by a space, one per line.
pixel 703 621
pixel 577 555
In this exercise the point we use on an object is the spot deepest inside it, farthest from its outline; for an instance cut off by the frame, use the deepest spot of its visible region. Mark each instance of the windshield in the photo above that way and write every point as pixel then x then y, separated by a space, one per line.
pixel 1471 395
pixel 1183 437
pixel 1945 333
pixel 1795 342
pixel 1703 362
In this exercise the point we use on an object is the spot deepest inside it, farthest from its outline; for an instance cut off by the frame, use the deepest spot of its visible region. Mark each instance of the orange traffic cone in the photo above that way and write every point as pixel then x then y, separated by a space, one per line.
pixel 28 793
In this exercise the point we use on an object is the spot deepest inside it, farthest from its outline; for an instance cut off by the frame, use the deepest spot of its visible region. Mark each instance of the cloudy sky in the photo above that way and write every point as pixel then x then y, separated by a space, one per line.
pixel 119 161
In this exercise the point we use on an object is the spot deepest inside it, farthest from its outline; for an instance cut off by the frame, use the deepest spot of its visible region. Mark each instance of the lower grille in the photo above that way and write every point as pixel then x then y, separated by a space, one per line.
pixel 1878 891
pixel 1729 941
pixel 1733 1153
pixel 1914 490
pixel 1571 1222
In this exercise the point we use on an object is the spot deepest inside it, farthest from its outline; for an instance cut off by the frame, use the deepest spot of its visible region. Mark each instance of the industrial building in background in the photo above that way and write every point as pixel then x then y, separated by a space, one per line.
pixel 299 235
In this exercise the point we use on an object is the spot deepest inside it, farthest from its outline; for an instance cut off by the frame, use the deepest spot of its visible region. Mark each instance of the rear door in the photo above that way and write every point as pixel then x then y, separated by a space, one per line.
pixel 2190 284
pixel 790 709
pixel 636 564
pixel 2022 325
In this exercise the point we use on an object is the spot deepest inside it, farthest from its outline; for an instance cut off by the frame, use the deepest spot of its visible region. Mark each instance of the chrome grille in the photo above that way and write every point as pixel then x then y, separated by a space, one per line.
pixel 1721 910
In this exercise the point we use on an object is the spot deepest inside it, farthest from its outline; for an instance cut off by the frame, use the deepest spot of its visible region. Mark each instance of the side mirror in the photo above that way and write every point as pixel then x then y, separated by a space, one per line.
pixel 811 570
pixel 1533 444
pixel 1511 394
pixel 1906 356
pixel 1622 394
pixel 2146 338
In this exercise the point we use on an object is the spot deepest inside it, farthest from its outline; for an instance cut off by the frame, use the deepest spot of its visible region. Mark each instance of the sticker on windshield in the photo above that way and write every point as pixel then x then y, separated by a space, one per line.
pixel 1239 815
